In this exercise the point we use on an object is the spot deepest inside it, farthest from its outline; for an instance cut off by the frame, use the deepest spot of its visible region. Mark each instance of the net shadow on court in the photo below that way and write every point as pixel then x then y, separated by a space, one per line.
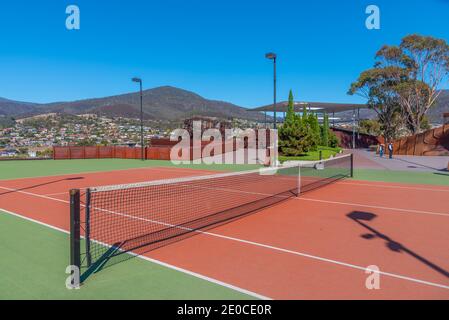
pixel 124 221
pixel 135 247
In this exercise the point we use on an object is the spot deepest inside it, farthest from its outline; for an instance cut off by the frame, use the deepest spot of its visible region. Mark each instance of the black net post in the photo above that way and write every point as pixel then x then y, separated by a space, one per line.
pixel 75 224
pixel 87 230
pixel 352 165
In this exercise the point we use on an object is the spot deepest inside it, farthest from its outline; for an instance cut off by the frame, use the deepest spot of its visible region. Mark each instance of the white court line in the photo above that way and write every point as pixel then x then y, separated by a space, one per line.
pixel 398 276
pixel 206 171
pixel 337 183
pixel 374 207
pixel 392 186
pixel 344 264
pixel 33 220
pixel 445 214
pixel 185 271
pixel 170 169
pixel 33 194
pixel 59 194
pixel 332 202
pixel 329 202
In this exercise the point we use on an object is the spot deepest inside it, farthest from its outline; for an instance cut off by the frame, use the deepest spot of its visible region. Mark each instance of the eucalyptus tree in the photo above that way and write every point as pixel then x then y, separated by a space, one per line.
pixel 425 61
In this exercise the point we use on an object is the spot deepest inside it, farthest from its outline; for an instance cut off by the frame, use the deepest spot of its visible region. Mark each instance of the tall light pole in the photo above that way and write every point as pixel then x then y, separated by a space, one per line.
pixel 273 56
pixel 138 80
pixel 353 129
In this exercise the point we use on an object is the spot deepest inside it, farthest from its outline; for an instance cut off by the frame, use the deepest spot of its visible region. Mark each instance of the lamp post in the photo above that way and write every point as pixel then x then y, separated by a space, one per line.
pixel 138 80
pixel 353 129
pixel 273 56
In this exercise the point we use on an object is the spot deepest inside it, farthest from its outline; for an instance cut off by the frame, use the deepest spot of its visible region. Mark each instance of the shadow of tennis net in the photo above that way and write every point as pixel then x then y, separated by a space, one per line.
pixel 124 221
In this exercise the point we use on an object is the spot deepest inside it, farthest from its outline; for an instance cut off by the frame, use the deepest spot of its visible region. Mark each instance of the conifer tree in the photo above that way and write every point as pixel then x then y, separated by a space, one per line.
pixel 298 135
pixel 314 129
pixel 290 132
pixel 325 131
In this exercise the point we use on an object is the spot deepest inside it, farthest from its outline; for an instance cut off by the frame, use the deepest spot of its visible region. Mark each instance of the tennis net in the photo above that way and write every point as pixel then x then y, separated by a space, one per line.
pixel 124 220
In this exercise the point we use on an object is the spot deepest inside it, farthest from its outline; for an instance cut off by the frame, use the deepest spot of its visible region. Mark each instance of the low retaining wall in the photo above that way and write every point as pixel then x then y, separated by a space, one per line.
pixel 361 140
pixel 96 152
pixel 114 152
pixel 155 152
pixel 433 142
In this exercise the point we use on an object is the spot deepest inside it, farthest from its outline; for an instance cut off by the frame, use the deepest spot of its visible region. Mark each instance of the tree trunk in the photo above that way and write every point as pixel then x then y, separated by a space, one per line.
pixel 416 126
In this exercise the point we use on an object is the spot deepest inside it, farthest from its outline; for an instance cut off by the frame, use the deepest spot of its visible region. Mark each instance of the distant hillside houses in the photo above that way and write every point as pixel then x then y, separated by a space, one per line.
pixel 9 153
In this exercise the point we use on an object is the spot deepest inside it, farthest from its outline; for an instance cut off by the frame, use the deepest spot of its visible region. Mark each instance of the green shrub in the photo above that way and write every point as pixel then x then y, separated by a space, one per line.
pixel 334 142
pixel 298 135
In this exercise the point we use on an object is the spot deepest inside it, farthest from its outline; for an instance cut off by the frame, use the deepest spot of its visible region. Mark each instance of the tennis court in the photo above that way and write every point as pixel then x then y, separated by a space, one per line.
pixel 315 245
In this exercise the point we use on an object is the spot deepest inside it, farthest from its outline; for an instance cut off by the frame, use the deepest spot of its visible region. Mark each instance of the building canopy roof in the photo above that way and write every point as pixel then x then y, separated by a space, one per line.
pixel 314 106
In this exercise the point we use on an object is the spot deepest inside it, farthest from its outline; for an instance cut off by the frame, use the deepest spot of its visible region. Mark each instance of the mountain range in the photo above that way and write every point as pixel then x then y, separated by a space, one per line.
pixel 162 103
pixel 435 113
pixel 167 103
pixel 441 106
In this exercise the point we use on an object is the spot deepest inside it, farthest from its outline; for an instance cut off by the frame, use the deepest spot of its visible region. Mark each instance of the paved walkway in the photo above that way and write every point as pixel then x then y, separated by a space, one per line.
pixel 369 160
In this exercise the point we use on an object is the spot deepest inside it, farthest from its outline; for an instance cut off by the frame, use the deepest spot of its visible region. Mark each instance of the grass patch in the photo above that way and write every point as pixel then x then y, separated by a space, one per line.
pixel 35 258
pixel 31 169
pixel 431 178
pixel 327 152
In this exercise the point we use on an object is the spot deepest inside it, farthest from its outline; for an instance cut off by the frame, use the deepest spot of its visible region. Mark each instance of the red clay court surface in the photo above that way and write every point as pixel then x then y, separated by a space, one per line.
pixel 317 246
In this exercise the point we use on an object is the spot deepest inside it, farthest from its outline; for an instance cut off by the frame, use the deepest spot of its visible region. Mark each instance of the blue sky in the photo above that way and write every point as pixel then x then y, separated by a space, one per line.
pixel 215 48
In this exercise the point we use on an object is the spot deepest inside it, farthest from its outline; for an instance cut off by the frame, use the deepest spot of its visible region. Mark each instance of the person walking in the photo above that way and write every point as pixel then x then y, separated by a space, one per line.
pixel 381 150
pixel 390 150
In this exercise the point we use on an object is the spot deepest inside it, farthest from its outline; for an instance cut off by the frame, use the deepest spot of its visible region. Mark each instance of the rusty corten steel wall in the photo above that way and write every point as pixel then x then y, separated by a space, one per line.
pixel 155 152
pixel 434 142
pixel 95 152
pixel 361 141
